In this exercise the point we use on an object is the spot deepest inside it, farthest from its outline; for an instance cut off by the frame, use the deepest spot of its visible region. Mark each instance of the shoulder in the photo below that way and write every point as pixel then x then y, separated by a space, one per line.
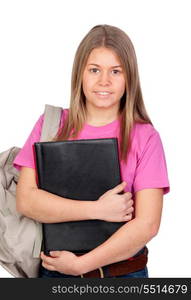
pixel 144 129
pixel 64 115
pixel 65 112
pixel 143 134
pixel 38 126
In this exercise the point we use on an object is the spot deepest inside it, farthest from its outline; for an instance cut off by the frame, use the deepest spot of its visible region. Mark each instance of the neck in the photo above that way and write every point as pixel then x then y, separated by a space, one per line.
pixel 101 116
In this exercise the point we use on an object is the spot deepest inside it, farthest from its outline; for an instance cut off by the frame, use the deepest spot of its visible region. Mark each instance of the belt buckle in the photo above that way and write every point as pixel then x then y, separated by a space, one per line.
pixel 100 271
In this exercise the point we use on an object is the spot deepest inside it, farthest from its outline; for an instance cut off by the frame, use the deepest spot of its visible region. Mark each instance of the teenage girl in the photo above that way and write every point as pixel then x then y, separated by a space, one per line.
pixel 106 101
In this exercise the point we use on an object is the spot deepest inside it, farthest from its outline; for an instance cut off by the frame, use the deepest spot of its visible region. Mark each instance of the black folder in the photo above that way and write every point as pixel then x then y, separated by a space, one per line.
pixel 80 170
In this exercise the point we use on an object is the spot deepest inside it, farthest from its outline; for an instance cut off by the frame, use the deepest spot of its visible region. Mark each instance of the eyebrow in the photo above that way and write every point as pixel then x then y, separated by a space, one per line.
pixel 119 66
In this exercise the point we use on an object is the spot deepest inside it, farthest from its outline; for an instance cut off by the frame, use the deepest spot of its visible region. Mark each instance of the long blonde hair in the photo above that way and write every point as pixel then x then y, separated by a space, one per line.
pixel 132 108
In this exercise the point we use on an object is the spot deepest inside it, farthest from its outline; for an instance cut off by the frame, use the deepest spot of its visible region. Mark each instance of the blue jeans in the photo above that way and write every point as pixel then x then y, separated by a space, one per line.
pixel 139 274
pixel 44 273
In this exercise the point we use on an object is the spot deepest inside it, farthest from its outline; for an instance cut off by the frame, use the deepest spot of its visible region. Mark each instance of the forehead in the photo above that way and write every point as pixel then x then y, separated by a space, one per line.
pixel 103 57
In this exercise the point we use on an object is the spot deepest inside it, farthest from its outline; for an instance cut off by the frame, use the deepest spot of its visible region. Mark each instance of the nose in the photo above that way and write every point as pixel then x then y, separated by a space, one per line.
pixel 104 79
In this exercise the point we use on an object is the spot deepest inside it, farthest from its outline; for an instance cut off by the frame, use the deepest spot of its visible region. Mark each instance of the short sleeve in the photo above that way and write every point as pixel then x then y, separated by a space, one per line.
pixel 25 157
pixel 151 170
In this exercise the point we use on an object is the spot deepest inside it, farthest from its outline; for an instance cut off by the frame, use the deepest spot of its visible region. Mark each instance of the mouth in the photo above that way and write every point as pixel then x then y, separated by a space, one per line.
pixel 102 93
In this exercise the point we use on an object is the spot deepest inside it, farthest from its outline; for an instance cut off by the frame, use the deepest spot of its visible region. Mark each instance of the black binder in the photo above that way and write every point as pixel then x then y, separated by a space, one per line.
pixel 80 170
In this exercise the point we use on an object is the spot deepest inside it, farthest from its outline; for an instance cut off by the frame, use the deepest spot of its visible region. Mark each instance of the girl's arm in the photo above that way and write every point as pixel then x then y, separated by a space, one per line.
pixel 131 237
pixel 49 208
pixel 123 244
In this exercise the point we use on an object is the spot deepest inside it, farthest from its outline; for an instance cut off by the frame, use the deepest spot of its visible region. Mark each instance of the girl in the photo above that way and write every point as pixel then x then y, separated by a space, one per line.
pixel 106 101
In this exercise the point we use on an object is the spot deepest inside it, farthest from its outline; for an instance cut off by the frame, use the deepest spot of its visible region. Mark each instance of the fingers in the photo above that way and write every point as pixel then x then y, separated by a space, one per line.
pixel 128 195
pixel 47 262
pixel 48 259
pixel 48 267
pixel 127 218
pixel 128 213
pixel 119 188
pixel 129 206
pixel 130 210
pixel 55 253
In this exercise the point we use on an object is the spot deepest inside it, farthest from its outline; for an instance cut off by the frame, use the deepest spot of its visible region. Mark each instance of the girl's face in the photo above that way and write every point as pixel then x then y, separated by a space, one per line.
pixel 103 79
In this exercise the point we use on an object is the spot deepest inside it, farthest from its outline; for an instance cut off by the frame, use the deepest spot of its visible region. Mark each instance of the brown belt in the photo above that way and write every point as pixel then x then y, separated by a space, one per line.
pixel 130 265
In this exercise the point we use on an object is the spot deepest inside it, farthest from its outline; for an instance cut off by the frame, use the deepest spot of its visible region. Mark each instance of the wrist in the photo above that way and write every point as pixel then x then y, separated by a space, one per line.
pixel 93 210
pixel 79 267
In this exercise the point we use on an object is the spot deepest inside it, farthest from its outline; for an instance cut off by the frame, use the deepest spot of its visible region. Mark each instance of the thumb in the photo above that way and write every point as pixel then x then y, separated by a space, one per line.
pixel 119 188
pixel 55 253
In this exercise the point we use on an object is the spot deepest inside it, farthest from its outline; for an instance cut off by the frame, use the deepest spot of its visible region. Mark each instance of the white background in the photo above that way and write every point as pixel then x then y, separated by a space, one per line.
pixel 38 42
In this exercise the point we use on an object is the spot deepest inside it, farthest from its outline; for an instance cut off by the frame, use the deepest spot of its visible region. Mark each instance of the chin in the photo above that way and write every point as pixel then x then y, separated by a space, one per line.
pixel 104 104
pixel 109 106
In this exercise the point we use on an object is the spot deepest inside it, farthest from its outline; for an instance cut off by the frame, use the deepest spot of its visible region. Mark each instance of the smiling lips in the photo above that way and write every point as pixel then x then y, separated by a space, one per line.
pixel 102 93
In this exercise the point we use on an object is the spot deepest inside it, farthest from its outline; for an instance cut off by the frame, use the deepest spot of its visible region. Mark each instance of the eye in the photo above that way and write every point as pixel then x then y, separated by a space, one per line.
pixel 116 71
pixel 94 70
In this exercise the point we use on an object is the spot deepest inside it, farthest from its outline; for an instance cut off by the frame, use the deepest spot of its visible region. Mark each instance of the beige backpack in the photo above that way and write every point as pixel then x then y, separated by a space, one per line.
pixel 21 237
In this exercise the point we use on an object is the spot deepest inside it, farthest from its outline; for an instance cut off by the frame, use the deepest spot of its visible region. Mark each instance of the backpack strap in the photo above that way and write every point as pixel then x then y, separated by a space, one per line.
pixel 52 116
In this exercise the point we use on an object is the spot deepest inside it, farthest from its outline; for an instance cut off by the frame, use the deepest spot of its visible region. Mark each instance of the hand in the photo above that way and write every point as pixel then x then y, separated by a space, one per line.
pixel 61 261
pixel 113 207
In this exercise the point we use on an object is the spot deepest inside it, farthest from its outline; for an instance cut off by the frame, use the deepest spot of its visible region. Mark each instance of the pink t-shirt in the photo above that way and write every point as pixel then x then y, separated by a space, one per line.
pixel 146 166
